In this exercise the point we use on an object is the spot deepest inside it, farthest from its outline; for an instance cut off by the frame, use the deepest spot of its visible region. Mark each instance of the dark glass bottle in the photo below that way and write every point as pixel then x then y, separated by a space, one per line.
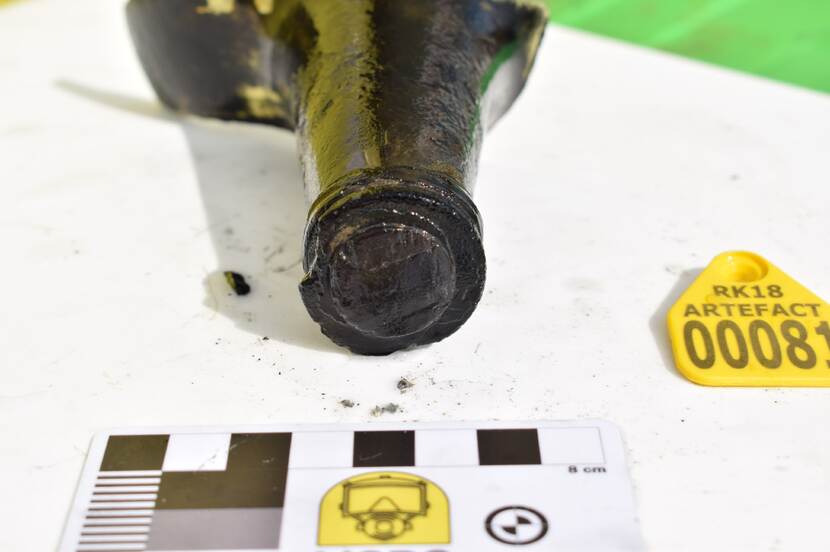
pixel 389 100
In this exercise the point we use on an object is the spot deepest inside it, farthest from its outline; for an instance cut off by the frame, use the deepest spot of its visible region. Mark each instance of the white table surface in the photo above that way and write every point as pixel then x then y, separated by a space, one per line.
pixel 618 174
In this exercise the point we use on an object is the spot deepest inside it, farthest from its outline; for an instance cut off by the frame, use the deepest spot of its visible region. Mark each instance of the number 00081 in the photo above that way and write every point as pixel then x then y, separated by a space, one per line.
pixel 761 341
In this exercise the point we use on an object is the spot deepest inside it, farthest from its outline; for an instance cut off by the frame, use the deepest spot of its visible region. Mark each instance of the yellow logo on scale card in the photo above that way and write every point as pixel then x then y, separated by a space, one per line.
pixel 384 508
pixel 743 322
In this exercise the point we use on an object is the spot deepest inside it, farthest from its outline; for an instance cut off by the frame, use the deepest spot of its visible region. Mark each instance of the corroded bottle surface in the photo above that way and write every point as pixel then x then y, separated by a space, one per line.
pixel 389 100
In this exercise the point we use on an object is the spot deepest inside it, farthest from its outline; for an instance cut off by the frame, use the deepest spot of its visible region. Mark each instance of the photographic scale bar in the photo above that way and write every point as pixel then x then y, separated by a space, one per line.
pixel 202 490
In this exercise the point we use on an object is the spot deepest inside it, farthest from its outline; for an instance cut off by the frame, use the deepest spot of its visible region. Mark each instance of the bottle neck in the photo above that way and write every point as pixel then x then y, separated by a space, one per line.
pixel 387 86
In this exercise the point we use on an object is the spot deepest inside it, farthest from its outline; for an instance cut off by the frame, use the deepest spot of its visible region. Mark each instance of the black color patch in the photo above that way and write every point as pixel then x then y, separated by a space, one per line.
pixel 506 447
pixel 383 448
pixel 134 452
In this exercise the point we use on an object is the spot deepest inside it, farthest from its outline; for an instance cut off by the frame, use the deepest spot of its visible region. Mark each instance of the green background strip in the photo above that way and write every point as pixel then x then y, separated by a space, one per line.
pixel 785 40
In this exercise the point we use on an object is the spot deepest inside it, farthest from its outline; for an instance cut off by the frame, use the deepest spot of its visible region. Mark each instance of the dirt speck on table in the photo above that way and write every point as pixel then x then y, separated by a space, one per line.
pixel 405 385
pixel 390 408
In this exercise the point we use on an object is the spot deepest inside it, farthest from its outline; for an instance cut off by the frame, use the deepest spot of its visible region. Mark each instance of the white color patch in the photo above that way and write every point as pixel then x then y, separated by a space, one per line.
pixel 197 452
pixel 315 449
pixel 577 445
pixel 446 448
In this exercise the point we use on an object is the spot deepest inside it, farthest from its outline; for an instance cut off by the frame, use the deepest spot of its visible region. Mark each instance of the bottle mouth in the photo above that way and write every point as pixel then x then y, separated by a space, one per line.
pixel 393 258
pixel 391 280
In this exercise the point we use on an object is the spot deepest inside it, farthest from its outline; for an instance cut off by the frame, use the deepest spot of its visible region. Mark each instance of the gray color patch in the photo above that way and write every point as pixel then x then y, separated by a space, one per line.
pixel 215 529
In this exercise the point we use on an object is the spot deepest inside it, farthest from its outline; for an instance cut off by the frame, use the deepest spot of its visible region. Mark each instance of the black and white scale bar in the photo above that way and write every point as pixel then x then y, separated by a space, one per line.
pixel 97 506
pixel 114 538
pixel 116 529
pixel 120 511
pixel 108 545
pixel 450 447
pixel 125 489
pixel 142 474
pixel 112 547
pixel 123 497
pixel 116 520
pixel 135 534
pixel 98 517
pixel 124 481
pixel 497 447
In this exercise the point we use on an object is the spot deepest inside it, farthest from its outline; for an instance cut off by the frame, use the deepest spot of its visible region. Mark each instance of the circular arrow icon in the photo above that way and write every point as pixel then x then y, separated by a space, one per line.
pixel 516 525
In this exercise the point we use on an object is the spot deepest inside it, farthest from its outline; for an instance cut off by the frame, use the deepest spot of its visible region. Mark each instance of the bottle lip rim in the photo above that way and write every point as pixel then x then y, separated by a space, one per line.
pixel 414 199
pixel 389 181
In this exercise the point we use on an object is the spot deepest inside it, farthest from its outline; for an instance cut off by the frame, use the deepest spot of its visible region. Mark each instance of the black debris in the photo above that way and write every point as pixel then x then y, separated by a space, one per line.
pixel 237 283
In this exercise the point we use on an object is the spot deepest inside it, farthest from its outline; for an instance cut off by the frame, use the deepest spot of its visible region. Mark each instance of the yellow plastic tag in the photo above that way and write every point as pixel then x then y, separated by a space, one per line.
pixel 743 322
